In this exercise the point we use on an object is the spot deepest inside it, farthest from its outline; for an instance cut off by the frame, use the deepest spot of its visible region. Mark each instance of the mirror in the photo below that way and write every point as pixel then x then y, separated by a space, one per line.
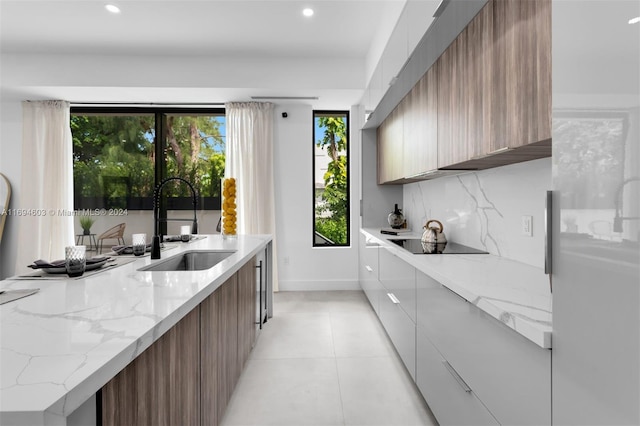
pixel 5 195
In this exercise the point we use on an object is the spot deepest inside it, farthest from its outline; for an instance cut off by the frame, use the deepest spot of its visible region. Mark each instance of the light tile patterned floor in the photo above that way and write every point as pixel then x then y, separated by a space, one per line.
pixel 324 359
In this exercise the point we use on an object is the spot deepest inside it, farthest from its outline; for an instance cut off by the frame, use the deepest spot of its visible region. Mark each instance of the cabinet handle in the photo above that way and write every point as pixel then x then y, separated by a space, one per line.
pixel 547 232
pixel 489 154
pixel 456 376
pixel 423 174
pixel 548 229
pixel 368 268
pixel 259 322
pixel 393 298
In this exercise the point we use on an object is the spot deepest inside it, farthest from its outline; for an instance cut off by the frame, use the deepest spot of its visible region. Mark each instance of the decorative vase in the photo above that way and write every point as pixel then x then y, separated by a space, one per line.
pixel 229 214
pixel 396 218
pixel 86 231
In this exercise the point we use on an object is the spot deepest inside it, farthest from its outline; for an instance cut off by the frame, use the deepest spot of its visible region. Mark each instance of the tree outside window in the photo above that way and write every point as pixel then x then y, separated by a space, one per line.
pixel 331 178
pixel 120 155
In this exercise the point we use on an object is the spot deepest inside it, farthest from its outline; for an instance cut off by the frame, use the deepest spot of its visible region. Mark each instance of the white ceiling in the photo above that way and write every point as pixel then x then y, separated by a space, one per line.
pixel 194 27
pixel 346 29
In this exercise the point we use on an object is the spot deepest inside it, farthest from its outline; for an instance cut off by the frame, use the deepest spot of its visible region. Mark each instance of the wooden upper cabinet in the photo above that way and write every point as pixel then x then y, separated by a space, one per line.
pixel 453 104
pixel 479 73
pixel 502 59
pixel 421 127
pixel 410 128
pixel 390 147
pixel 464 95
pixel 521 85
pixel 486 101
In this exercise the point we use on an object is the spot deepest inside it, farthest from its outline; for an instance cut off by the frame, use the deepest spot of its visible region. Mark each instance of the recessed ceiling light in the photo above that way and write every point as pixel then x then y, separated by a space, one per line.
pixel 112 8
pixel 634 20
pixel 307 12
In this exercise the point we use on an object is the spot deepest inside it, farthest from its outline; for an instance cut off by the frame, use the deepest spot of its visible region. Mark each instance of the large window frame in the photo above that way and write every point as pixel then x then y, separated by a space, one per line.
pixel 319 240
pixel 160 166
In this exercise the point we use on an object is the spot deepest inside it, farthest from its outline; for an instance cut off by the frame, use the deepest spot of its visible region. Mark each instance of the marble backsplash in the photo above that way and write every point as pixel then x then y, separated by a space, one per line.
pixel 484 209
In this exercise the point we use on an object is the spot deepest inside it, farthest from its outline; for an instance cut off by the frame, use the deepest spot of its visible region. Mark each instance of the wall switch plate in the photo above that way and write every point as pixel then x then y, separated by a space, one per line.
pixel 527 226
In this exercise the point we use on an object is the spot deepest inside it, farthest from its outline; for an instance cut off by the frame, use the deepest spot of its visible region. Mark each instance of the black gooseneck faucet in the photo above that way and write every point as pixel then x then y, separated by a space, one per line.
pixel 157 237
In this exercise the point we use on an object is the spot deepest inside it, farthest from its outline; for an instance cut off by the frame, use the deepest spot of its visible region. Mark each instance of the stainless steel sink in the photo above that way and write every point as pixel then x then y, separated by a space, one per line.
pixel 193 260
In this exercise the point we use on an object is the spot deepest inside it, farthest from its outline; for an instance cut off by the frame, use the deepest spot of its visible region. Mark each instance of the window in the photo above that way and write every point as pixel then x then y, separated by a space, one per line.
pixel 119 156
pixel 331 178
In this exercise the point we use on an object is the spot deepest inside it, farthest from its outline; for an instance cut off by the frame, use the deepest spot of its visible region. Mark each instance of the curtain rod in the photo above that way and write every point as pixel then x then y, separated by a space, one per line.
pixel 148 104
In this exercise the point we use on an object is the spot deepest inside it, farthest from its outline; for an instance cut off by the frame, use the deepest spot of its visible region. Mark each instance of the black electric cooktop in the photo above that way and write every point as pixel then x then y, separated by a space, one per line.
pixel 415 246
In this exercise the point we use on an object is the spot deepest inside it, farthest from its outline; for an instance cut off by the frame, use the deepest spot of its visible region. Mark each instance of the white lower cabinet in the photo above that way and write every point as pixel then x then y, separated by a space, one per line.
pixel 449 397
pixel 398 305
pixel 471 368
pixel 399 278
pixel 401 330
pixel 390 286
pixel 508 373
pixel 368 275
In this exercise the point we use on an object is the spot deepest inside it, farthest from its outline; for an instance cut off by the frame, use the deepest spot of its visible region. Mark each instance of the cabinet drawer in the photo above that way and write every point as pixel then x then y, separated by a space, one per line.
pixel 507 372
pixel 399 278
pixel 374 292
pixel 401 329
pixel 447 395
pixel 372 289
pixel 368 272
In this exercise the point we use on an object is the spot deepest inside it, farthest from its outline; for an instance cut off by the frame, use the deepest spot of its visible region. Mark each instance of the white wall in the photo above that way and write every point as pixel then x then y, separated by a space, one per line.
pixel 300 266
pixel 484 209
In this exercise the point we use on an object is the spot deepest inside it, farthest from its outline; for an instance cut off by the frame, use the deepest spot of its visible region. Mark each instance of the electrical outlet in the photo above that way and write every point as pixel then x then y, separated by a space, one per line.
pixel 286 260
pixel 527 226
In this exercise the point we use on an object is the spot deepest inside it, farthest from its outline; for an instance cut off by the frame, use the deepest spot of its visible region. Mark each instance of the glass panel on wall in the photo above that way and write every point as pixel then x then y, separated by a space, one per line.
pixel 331 178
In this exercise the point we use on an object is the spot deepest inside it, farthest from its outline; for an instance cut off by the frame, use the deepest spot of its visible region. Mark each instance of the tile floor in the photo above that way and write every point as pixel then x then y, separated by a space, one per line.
pixel 324 359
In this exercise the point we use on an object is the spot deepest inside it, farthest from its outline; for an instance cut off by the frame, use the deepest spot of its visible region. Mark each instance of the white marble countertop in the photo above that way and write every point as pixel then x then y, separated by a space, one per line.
pixel 62 344
pixel 514 293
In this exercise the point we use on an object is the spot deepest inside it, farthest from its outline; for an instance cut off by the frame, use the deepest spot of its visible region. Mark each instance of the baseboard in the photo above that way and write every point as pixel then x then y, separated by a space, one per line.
pixel 318 285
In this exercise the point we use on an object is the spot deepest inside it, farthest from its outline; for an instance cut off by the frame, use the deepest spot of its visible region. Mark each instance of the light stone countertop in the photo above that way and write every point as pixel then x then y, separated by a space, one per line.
pixel 62 344
pixel 512 292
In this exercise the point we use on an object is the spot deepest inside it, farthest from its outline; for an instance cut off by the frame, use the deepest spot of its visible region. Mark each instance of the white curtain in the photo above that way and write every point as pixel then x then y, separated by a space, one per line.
pixel 249 159
pixel 46 189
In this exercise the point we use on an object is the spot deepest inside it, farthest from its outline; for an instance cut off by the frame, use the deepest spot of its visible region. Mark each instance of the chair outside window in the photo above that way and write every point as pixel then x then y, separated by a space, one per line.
pixel 115 233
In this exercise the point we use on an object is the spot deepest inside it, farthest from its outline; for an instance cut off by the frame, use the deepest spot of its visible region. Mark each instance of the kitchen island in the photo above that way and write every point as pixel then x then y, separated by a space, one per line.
pixel 63 344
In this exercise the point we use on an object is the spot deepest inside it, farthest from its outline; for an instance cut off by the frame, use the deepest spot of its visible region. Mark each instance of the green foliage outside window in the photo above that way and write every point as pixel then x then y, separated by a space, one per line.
pixel 331 213
pixel 115 157
pixel 195 152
